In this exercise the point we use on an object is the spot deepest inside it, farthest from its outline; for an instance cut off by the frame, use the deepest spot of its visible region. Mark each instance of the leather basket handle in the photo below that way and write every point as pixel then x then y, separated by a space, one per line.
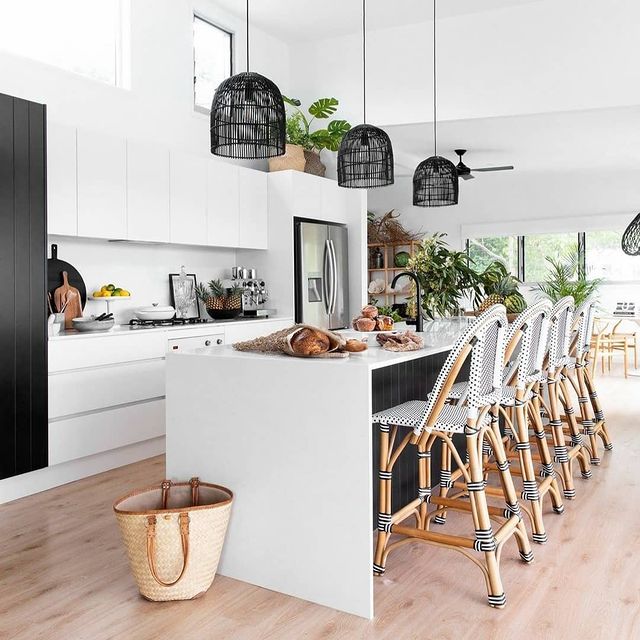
pixel 183 520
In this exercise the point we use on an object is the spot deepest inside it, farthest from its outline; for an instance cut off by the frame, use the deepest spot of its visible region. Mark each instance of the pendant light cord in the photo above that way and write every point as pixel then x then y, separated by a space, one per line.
pixel 247 36
pixel 364 62
pixel 435 133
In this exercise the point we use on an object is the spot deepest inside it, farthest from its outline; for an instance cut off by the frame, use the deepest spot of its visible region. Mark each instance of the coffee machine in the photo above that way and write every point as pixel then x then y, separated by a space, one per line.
pixel 254 292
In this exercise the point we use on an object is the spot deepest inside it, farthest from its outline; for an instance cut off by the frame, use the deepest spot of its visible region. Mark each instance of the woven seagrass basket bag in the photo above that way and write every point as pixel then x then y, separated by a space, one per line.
pixel 174 534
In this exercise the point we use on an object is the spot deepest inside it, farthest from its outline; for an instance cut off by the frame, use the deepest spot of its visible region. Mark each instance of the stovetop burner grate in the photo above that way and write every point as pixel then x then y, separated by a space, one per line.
pixel 173 322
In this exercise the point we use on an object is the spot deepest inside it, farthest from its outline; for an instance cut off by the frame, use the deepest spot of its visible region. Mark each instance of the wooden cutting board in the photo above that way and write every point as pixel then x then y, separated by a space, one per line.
pixel 67 292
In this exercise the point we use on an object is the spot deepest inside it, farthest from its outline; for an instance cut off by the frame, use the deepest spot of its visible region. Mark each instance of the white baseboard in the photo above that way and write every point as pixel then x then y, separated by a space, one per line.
pixel 35 481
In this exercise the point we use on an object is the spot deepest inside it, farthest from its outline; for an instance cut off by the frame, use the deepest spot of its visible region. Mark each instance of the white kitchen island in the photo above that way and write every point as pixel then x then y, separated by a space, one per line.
pixel 292 438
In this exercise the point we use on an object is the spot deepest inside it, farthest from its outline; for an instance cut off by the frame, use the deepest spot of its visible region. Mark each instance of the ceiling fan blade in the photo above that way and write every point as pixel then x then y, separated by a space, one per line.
pixel 505 168
pixel 467 176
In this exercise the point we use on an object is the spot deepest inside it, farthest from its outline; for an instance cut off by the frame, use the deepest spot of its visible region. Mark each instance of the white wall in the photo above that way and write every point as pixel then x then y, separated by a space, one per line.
pixel 143 269
pixel 549 55
pixel 159 104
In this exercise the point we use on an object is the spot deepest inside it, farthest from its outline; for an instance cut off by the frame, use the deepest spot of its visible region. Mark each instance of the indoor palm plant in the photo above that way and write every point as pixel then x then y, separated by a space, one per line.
pixel 303 143
pixel 566 279
pixel 445 276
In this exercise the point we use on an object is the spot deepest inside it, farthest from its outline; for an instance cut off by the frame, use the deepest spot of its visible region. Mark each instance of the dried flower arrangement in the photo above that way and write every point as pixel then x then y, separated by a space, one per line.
pixel 388 230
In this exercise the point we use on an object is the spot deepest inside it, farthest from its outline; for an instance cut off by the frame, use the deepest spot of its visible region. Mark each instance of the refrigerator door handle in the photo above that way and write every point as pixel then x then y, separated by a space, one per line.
pixel 326 270
pixel 334 278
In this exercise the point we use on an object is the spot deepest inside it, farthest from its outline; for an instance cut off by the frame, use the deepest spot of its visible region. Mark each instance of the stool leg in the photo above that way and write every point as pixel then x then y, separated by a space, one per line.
pixel 547 470
pixel 445 482
pixel 384 501
pixel 601 425
pixel 424 483
pixel 561 455
pixel 485 540
pixel 530 486
pixel 578 450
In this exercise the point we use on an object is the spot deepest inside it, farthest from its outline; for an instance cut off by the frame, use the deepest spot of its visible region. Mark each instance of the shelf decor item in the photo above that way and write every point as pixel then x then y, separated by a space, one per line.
pixel 631 238
pixel 365 157
pixel 173 534
pixel 183 292
pixel 247 116
pixel 435 181
pixel 304 145
pixel 401 259
pixel 387 229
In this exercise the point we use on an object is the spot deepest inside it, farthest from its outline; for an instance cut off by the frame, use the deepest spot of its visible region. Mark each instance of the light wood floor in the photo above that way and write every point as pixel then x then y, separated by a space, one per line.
pixel 64 575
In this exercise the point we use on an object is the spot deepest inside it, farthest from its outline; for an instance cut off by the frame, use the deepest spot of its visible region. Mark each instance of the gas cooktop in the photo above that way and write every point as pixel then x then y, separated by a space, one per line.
pixel 173 322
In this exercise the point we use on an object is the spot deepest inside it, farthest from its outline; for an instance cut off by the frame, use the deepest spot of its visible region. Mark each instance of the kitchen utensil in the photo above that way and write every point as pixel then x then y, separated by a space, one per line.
pixel 155 312
pixel 55 267
pixel 67 301
pixel 92 324
pixel 244 273
pixel 253 274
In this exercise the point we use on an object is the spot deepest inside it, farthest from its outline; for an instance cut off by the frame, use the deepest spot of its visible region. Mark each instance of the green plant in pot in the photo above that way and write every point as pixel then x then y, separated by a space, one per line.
pixel 304 144
pixel 445 276
pixel 564 278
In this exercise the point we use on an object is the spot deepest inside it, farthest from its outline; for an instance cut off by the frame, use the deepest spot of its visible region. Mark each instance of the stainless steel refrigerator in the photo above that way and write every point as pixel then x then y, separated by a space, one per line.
pixel 322 273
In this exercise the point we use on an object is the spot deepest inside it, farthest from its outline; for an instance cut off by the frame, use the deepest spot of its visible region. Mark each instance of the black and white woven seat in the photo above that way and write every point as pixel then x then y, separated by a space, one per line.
pixel 431 420
pixel 452 418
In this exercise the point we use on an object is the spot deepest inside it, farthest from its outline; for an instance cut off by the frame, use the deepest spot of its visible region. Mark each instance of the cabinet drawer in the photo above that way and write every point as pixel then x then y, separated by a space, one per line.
pixel 86 435
pixel 195 342
pixel 78 353
pixel 79 391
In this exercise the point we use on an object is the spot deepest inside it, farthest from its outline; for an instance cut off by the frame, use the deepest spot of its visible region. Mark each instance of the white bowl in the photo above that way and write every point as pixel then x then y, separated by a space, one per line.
pixel 155 312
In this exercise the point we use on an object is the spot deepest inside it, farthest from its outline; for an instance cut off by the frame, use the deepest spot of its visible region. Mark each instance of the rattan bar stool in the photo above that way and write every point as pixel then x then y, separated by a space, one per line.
pixel 557 397
pixel 578 371
pixel 431 420
pixel 519 406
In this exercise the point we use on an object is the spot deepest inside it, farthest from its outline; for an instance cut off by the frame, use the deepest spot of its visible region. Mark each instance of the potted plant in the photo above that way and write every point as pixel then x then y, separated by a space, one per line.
pixel 566 279
pixel 304 145
pixel 445 276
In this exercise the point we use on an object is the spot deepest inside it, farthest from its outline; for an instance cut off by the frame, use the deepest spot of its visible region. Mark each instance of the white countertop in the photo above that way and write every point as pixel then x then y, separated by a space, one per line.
pixel 125 329
pixel 439 336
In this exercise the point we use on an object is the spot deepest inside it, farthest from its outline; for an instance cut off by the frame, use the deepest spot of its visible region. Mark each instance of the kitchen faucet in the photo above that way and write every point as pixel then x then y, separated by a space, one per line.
pixel 414 277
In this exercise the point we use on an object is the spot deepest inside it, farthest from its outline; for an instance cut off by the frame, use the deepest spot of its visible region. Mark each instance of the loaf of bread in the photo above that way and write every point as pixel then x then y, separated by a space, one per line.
pixel 309 342
pixel 354 346
pixel 365 324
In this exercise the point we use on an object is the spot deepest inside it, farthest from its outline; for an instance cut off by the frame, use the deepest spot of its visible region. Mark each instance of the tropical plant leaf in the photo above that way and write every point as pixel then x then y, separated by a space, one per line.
pixel 338 127
pixel 323 107
pixel 294 102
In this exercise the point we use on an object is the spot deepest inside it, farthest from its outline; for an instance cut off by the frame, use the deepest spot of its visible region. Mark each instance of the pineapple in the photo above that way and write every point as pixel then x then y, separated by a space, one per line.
pixel 505 289
pixel 234 297
pixel 216 298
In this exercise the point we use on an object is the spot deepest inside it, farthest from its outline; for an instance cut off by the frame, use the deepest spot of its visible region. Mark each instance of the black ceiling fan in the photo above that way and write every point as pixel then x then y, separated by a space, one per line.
pixel 465 172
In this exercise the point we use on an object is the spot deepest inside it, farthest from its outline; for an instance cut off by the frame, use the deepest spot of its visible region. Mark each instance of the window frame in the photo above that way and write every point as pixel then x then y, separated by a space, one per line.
pixel 197 15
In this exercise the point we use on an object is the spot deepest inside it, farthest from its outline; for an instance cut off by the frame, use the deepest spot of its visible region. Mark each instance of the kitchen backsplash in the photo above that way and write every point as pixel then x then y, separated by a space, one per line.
pixel 142 269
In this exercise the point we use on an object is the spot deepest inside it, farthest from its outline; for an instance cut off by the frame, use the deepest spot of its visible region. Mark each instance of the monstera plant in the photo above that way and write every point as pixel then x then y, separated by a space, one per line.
pixel 304 143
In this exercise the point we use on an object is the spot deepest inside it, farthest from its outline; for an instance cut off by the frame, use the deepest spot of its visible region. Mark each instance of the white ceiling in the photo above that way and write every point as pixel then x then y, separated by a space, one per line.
pixel 599 138
pixel 295 20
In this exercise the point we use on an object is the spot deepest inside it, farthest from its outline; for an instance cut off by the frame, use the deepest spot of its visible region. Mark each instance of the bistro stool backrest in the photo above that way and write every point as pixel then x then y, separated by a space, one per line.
pixel 484 340
pixel 561 319
pixel 585 317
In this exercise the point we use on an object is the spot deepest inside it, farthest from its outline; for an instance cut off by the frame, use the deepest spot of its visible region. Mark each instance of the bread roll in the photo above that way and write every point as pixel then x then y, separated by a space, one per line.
pixel 365 324
pixel 354 346
pixel 309 342
pixel 369 311
pixel 384 323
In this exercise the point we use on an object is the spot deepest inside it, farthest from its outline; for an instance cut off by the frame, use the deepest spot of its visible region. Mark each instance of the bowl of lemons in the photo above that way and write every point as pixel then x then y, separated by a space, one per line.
pixel 110 291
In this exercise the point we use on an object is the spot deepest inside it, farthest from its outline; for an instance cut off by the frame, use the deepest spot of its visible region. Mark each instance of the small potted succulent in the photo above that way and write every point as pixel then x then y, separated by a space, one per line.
pixel 221 303
pixel 304 145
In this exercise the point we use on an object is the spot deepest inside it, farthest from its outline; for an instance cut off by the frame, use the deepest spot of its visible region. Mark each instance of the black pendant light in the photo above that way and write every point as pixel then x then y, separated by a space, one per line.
pixel 365 157
pixel 435 181
pixel 631 238
pixel 248 116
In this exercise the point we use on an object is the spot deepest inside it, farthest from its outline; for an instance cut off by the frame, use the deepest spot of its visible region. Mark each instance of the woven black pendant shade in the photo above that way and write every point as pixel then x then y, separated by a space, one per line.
pixel 435 183
pixel 365 158
pixel 247 118
pixel 631 238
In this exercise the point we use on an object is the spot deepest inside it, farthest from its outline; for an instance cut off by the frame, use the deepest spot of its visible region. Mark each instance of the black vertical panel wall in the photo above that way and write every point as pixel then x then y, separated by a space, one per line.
pixel 23 315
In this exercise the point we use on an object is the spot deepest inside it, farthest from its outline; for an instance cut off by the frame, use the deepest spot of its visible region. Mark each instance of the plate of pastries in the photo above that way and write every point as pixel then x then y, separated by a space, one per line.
pixel 371 321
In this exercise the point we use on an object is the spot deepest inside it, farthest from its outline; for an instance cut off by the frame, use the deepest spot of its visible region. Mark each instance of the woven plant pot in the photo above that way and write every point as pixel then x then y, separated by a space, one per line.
pixel 314 164
pixel 174 534
pixel 293 158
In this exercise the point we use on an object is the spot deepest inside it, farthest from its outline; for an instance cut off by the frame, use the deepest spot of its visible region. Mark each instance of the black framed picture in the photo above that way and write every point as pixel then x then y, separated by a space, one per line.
pixel 183 295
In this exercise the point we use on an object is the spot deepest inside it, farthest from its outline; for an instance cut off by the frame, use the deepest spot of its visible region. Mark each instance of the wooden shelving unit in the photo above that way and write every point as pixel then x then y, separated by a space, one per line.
pixel 387 273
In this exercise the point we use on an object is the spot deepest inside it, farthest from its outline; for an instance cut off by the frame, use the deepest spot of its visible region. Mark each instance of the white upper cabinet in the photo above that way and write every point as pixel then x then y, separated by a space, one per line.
pixel 62 200
pixel 188 212
pixel 223 226
pixel 253 209
pixel 102 180
pixel 147 192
